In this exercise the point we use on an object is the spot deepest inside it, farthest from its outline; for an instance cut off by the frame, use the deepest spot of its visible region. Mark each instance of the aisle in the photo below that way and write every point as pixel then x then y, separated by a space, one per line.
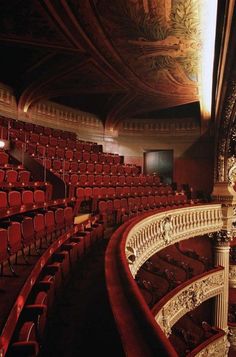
pixel 82 321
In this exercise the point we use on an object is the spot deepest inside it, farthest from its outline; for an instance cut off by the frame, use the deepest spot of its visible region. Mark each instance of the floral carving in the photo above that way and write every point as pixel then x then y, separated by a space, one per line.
pixel 188 299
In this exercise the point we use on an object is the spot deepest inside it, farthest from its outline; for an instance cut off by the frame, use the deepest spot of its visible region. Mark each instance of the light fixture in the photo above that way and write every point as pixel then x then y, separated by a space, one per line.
pixel 2 144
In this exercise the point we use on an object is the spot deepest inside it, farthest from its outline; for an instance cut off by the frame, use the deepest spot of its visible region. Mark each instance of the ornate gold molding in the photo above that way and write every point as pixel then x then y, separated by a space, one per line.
pixel 232 337
pixel 217 348
pixel 188 299
pixel 232 276
pixel 162 229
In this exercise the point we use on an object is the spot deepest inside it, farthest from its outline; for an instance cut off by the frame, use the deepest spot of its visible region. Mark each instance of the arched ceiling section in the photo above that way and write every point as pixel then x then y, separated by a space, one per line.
pixel 118 59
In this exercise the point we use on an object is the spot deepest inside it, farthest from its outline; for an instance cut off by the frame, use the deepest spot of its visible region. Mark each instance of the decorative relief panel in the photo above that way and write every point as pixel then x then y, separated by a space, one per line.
pixel 224 139
pixel 59 116
pixel 188 299
pixel 218 348
pixel 162 127
pixel 160 230
pixel 232 276
pixel 232 337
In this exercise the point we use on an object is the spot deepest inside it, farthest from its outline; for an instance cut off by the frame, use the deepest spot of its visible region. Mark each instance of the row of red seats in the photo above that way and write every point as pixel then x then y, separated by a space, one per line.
pixel 120 210
pixel 15 198
pixel 40 151
pixel 14 176
pixel 104 180
pixel 82 167
pixel 32 325
pixel 32 229
pixel 39 143
pixel 118 191
pixel 7 123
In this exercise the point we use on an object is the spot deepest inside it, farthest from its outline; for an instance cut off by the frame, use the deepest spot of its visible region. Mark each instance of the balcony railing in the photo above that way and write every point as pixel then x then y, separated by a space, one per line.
pixel 157 231
pixel 130 246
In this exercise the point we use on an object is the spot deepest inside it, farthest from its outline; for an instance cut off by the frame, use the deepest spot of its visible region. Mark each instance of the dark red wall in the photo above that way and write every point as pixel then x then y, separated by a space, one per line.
pixel 198 173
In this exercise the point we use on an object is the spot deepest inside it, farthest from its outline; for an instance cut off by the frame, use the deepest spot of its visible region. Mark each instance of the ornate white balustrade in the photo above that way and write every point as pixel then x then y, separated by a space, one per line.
pixel 188 299
pixel 162 229
pixel 232 276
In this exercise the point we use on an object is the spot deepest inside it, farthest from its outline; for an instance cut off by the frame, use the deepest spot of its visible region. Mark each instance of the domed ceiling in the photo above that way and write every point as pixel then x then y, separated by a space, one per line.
pixel 118 59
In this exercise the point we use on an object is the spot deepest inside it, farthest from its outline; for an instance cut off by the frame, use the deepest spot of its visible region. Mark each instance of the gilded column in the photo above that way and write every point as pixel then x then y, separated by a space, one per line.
pixel 221 250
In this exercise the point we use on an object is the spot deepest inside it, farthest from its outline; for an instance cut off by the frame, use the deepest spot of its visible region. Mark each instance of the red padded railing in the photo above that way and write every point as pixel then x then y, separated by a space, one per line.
pixel 140 334
pixel 13 317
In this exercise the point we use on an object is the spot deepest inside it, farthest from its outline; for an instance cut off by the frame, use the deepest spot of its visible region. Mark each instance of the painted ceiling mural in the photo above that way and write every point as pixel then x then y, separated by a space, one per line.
pixel 159 39
pixel 144 53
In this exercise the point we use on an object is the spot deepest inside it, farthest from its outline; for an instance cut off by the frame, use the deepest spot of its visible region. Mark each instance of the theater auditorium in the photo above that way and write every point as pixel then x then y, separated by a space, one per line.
pixel 117 178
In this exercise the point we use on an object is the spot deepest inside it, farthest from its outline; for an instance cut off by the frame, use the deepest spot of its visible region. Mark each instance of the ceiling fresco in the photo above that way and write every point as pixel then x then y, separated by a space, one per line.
pixel 144 54
pixel 159 40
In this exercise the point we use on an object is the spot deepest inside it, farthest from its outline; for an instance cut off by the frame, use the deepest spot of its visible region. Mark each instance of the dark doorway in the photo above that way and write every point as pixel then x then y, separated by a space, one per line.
pixel 160 162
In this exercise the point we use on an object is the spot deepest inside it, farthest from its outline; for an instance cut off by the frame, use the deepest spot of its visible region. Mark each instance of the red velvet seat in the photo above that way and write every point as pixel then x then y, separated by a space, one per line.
pixel 39 129
pixel 113 169
pixel 116 159
pixel 14 199
pixel 56 164
pixel 88 192
pixel 36 311
pixel 60 153
pixel 90 168
pixel 98 180
pixel 3 200
pixel 50 152
pixel 34 138
pixel 77 155
pixel 14 241
pixel 74 178
pixel 111 192
pixel 39 196
pixel 50 227
pixel 62 143
pixel 27 197
pixel 3 158
pixel 28 234
pixel 69 217
pixel 2 176
pixel 102 209
pixel 105 180
pixel 69 154
pixel 59 220
pixel 74 166
pixel 11 176
pixel 83 180
pixel 104 193
pixel 39 228
pixel 86 156
pixel 24 177
pixel 70 144
pixel 90 180
pixel 3 247
pixel 94 157
pixel 98 168
pixel 82 167
pixel 126 191
pixel 26 342
pixel 117 210
pixel 133 191
pixel 106 169
pixel 47 131
pixel 43 139
pixel 97 192
pixel 53 141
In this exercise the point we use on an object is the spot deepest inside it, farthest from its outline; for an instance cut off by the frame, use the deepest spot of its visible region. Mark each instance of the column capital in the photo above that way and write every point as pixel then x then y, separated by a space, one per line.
pixel 222 238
